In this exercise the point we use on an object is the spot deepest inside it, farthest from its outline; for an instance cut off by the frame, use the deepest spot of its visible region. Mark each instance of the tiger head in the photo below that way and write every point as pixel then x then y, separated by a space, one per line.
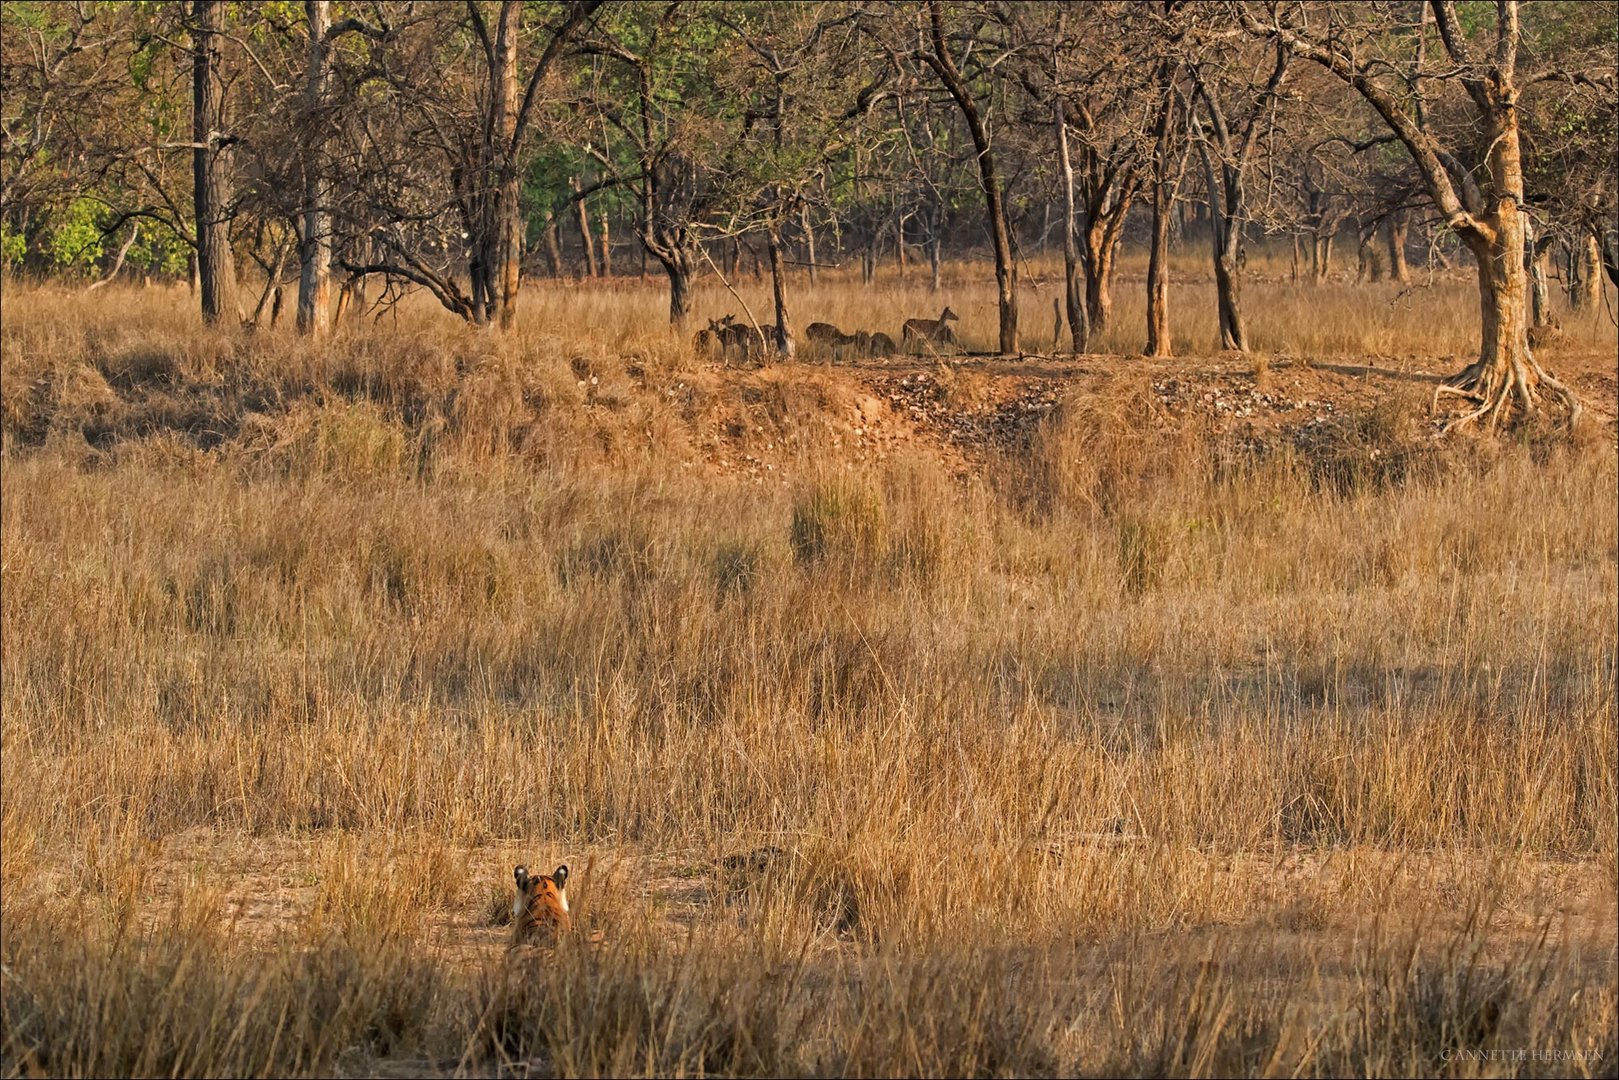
pixel 541 906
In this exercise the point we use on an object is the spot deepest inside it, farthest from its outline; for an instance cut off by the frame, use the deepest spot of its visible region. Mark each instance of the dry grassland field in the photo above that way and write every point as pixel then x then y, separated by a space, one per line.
pixel 922 715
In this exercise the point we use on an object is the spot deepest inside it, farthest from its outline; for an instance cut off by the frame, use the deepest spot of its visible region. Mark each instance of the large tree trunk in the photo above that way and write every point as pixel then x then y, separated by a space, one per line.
pixel 778 284
pixel 1506 370
pixel 315 247
pixel 1101 245
pixel 216 266
pixel 1005 269
pixel 678 265
pixel 1078 328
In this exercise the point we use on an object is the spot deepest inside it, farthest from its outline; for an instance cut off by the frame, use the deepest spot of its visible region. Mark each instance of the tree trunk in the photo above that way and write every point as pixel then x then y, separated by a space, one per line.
pixel 1158 253
pixel 1399 269
pixel 506 254
pixel 677 264
pixel 606 248
pixel 1078 328
pixel 809 239
pixel 272 290
pixel 1228 292
pixel 315 247
pixel 1506 370
pixel 899 244
pixel 553 246
pixel 1321 260
pixel 586 244
pixel 1585 273
pixel 1535 256
pixel 1225 231
pixel 1366 264
pixel 478 284
pixel 1099 253
pixel 778 284
pixel 935 248
pixel 359 299
pixel 216 266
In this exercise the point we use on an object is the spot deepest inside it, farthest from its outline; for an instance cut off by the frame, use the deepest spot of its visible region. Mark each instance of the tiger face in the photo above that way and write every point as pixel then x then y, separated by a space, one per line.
pixel 540 910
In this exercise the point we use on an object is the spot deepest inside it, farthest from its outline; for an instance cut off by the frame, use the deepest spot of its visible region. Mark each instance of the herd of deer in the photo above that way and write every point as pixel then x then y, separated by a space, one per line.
pixel 725 338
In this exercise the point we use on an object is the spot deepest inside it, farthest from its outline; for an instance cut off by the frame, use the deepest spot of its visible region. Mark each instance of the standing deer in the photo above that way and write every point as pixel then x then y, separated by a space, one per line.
pixel 931 331
pixel 710 342
pixel 745 339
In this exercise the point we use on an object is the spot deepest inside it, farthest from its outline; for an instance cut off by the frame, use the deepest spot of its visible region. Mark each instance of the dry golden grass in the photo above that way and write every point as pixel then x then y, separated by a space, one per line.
pixel 1140 751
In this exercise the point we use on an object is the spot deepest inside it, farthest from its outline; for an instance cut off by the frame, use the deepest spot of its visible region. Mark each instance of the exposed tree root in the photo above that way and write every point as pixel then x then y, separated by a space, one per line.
pixel 1500 390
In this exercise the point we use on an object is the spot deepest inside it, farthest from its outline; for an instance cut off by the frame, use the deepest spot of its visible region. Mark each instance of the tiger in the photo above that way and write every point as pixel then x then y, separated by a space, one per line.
pixel 540 911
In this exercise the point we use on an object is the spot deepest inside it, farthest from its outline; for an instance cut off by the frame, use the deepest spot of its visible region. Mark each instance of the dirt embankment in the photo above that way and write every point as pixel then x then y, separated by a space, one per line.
pixel 404 402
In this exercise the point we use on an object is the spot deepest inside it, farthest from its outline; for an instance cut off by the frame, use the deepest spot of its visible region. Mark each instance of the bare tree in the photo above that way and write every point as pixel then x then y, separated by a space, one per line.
pixel 471 130
pixel 1233 143
pixel 938 54
pixel 1473 172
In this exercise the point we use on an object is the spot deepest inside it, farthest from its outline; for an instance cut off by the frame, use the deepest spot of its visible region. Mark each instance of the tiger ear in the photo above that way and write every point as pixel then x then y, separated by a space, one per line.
pixel 521 875
pixel 561 876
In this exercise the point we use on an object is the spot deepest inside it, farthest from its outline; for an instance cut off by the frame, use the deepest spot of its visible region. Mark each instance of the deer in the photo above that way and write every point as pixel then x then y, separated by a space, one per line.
pixel 931 331
pixel 827 336
pixel 710 341
pixel 745 339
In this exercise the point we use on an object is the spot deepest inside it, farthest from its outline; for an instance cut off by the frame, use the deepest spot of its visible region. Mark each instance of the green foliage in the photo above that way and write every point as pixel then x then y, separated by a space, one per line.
pixel 13 246
pixel 159 250
pixel 74 240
